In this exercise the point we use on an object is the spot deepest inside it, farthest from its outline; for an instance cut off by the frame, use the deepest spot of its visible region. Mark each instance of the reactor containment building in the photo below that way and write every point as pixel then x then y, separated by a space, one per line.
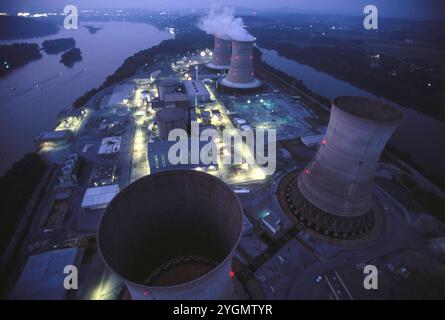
pixel 172 235
pixel 333 195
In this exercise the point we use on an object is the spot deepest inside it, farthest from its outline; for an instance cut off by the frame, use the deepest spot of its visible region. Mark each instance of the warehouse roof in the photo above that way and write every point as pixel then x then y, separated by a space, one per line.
pixel 99 197
pixel 42 278
pixel 195 88
pixel 110 145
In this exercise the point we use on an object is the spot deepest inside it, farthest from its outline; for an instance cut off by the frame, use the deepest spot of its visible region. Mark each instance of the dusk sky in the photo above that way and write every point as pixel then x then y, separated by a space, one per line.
pixel 395 8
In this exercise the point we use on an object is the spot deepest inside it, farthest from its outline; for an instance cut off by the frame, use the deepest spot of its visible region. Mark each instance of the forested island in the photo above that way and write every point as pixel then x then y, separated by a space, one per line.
pixel 58 45
pixel 70 57
pixel 17 55
pixel 12 27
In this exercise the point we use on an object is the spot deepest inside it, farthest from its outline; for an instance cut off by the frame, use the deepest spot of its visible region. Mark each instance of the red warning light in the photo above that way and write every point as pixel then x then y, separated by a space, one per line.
pixel 306 171
pixel 231 274
pixel 323 142
pixel 145 293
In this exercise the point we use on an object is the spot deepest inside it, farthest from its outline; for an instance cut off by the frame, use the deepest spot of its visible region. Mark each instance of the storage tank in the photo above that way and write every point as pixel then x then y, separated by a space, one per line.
pixel 333 194
pixel 172 235
pixel 169 119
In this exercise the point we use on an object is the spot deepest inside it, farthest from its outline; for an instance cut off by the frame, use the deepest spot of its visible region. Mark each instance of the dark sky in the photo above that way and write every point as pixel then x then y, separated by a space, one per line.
pixel 418 9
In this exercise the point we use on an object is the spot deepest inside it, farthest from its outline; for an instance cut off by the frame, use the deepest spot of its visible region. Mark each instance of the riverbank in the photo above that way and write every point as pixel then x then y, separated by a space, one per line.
pixel 17 55
pixel 17 186
pixel 415 84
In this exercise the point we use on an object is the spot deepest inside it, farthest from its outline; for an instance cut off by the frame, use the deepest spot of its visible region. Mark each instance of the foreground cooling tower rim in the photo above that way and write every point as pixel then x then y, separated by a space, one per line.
pixel 149 233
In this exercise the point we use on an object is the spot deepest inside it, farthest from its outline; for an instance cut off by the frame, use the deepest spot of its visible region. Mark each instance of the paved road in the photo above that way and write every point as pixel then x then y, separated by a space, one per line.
pixel 398 235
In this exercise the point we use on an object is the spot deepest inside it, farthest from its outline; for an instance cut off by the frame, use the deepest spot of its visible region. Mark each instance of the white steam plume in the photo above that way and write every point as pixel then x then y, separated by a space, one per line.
pixel 222 23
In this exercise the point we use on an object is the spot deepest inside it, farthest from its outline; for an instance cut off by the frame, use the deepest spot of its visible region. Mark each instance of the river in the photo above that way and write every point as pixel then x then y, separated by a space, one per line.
pixel 45 87
pixel 421 136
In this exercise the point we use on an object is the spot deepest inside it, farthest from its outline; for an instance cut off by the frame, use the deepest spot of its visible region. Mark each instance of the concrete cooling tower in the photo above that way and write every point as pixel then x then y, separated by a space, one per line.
pixel 221 54
pixel 241 74
pixel 172 235
pixel 334 194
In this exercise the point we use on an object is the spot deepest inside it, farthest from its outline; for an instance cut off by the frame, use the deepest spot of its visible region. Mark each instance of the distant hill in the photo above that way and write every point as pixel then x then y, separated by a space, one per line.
pixel 24 28
pixel 58 45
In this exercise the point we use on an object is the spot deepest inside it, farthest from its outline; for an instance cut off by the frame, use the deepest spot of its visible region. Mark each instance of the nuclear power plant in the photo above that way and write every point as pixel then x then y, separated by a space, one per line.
pixel 241 75
pixel 172 235
pixel 269 192
pixel 333 195
pixel 222 52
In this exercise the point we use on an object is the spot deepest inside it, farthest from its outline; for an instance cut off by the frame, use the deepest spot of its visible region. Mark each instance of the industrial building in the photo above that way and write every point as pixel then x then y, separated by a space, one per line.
pixel 166 86
pixel 105 174
pixel 313 140
pixel 150 238
pixel 53 138
pixel 158 157
pixel 169 119
pixel 333 195
pixel 110 145
pixel 222 52
pixel 120 94
pixel 241 75
pixel 99 197
pixel 70 171
pixel 196 91
pixel 179 100
pixel 42 278
pixel 271 222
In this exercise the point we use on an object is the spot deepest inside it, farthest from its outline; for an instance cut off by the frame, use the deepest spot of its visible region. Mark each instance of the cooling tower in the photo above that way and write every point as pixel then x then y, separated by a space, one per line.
pixel 172 235
pixel 333 194
pixel 241 74
pixel 169 119
pixel 221 54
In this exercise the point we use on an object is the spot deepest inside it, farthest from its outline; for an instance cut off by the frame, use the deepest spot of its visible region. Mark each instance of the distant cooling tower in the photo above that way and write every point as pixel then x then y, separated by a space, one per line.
pixel 172 235
pixel 169 119
pixel 241 74
pixel 221 54
pixel 333 195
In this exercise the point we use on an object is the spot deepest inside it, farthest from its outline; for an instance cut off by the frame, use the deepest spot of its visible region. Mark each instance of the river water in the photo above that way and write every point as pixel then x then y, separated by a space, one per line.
pixel 45 87
pixel 420 135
